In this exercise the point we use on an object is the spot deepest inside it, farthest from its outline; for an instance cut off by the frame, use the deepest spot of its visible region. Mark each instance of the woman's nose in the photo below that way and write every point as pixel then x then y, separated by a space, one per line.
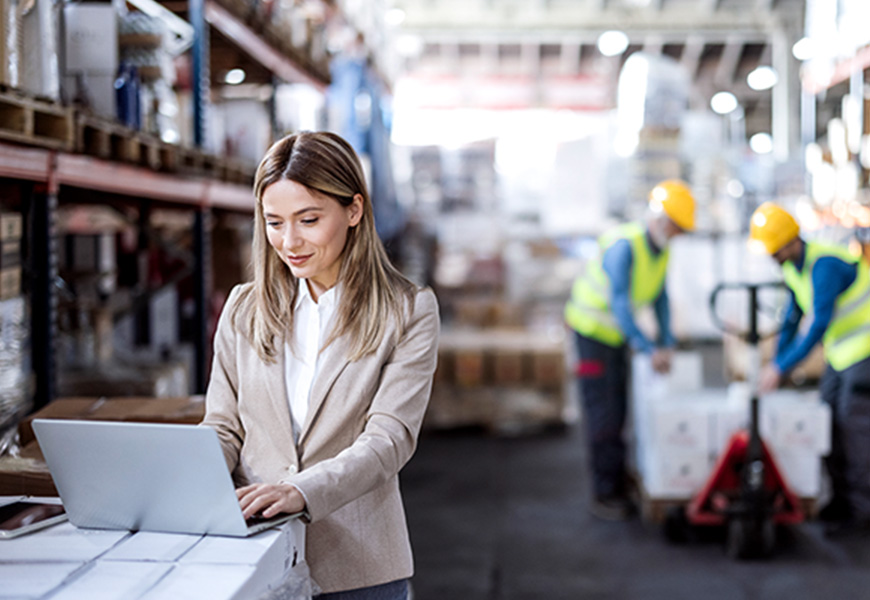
pixel 291 238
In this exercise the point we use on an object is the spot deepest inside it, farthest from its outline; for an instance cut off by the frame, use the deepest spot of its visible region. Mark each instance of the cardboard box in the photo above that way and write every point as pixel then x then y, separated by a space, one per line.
pixel 508 367
pixel 674 474
pixel 444 370
pixel 10 226
pixel 186 409
pixel 801 469
pixel 10 254
pixel 10 283
pixel 548 368
pixel 26 475
pixel 469 367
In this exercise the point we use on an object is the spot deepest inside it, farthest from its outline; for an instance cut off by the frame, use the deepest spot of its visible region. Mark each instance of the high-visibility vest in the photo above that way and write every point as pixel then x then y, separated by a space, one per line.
pixel 588 310
pixel 847 339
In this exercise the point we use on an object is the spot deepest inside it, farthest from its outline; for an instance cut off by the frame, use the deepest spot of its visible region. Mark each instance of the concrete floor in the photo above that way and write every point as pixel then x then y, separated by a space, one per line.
pixel 506 518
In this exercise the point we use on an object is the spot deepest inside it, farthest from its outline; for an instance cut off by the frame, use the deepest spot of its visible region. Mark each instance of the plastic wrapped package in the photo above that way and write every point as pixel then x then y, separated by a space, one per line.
pixel 39 74
pixel 10 48
pixel 653 92
pixel 14 358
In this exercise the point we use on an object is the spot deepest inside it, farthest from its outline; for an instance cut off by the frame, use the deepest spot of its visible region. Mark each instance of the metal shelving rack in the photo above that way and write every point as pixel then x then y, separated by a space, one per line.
pixel 49 172
pixel 47 168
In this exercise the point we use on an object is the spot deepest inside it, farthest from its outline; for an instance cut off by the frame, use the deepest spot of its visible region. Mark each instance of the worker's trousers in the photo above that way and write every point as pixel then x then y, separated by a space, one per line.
pixel 848 394
pixel 602 373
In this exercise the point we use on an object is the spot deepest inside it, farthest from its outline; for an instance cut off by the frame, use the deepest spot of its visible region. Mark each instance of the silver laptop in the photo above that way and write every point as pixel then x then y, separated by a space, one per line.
pixel 144 476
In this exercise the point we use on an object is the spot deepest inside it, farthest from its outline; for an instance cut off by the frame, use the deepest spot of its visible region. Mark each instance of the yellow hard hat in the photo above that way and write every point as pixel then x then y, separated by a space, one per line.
pixel 675 198
pixel 773 227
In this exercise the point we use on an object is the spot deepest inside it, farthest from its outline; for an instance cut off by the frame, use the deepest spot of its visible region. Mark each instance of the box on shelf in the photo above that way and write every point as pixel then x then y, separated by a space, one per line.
pixel 10 254
pixel 10 283
pixel 10 43
pixel 504 380
pixel 10 227
pixel 90 64
pixel 40 71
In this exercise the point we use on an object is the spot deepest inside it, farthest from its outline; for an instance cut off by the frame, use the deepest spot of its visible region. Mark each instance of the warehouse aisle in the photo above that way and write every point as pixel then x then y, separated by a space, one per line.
pixel 505 519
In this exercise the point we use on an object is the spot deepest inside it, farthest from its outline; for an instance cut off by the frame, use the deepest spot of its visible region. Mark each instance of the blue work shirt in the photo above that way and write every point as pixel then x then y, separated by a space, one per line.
pixel 831 277
pixel 617 261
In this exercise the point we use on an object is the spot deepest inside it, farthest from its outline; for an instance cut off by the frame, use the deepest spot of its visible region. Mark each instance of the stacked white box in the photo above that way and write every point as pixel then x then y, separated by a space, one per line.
pixel 90 64
pixel 40 74
pixel 681 430
pixel 673 461
pixel 671 426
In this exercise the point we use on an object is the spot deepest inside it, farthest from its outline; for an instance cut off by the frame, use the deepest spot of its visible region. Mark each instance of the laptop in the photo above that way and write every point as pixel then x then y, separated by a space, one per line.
pixel 144 477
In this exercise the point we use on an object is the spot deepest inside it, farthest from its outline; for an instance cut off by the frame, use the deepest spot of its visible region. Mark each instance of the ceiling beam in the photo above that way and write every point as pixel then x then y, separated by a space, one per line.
pixel 710 6
pixel 726 70
pixel 653 44
pixel 692 54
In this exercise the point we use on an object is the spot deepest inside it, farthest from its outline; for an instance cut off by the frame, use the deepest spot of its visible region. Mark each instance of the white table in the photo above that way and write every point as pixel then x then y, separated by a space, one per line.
pixel 64 562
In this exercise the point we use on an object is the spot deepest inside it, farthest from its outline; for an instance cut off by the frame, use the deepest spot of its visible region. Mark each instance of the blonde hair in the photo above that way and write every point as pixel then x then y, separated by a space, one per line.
pixel 373 290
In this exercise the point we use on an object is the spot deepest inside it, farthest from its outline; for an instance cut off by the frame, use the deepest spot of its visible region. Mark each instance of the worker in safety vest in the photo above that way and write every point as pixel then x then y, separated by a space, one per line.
pixel 628 274
pixel 831 288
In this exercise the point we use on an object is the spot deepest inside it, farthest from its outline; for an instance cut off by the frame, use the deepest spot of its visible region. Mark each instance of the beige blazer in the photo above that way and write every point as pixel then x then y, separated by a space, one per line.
pixel 362 427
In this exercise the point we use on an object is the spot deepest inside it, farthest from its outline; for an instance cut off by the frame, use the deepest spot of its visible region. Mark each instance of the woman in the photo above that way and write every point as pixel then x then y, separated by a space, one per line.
pixel 322 369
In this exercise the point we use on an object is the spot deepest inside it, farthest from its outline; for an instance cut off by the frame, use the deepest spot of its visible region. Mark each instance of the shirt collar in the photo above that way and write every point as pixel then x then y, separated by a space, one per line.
pixel 327 299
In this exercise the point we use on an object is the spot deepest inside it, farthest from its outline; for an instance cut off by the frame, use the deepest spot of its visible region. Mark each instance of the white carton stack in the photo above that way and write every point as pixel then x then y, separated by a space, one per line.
pixel 90 63
pixel 671 430
pixel 795 425
pixel 681 429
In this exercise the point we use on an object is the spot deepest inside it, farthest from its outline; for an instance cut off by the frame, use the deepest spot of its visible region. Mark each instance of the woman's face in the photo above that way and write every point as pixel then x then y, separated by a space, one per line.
pixel 308 230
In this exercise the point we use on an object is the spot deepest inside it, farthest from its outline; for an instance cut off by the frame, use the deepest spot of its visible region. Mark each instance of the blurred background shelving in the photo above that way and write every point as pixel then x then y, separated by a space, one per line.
pixel 499 139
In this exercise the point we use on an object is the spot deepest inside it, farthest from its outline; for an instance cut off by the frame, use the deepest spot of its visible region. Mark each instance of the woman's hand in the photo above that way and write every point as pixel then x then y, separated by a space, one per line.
pixel 269 500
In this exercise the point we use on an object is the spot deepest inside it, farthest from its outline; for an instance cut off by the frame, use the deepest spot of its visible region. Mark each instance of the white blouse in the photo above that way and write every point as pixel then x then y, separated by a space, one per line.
pixel 312 322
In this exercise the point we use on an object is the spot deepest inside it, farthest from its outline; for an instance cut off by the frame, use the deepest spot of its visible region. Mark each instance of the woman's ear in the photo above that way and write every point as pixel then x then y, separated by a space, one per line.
pixel 355 210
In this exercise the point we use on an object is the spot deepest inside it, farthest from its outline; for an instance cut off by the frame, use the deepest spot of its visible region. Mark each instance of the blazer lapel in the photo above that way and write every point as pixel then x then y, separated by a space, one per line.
pixel 276 389
pixel 331 363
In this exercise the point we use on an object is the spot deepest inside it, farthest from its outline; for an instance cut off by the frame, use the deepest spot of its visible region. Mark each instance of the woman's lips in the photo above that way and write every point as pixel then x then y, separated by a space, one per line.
pixel 298 261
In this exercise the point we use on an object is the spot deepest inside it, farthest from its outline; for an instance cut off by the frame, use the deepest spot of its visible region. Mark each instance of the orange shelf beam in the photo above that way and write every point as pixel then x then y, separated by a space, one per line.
pixel 22 162
pixel 87 172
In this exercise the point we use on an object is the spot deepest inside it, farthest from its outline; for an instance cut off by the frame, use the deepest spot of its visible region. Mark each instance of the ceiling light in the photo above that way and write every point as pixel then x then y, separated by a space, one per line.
pixel 804 49
pixel 723 103
pixel 611 43
pixel 762 78
pixel 735 188
pixel 234 76
pixel 761 143
pixel 394 17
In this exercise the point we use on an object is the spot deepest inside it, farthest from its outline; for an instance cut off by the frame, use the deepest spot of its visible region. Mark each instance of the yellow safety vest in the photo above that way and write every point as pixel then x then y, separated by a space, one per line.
pixel 847 338
pixel 588 310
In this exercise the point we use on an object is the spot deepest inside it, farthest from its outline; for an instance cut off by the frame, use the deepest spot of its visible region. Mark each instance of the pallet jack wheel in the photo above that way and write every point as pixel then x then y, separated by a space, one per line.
pixel 749 538
pixel 676 525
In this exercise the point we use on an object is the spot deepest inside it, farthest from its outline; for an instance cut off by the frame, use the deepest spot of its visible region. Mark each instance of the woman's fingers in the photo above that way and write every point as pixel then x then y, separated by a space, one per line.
pixel 268 500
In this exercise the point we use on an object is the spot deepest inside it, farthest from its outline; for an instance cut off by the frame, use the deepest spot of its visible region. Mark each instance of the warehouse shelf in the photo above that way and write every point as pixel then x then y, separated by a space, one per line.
pixel 277 60
pixel 87 172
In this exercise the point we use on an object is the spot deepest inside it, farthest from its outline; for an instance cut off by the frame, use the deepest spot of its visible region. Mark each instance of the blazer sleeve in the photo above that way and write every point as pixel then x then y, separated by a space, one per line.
pixel 392 424
pixel 221 397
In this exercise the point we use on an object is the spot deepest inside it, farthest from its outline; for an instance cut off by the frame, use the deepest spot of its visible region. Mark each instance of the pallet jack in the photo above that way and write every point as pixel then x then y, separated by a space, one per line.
pixel 746 492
